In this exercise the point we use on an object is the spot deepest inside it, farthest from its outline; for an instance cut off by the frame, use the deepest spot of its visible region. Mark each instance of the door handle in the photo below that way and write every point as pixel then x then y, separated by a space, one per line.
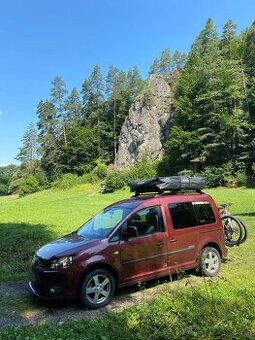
pixel 173 240
pixel 160 243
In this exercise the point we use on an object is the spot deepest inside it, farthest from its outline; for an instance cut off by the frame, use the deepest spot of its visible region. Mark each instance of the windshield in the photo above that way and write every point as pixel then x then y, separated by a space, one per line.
pixel 103 223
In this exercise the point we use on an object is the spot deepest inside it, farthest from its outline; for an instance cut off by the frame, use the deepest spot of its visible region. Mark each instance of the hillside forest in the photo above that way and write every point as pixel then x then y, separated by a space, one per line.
pixel 212 131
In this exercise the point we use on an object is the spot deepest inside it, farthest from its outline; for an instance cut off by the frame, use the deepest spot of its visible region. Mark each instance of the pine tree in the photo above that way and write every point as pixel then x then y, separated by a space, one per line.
pixel 210 125
pixel 58 93
pixel 168 65
pixel 92 92
pixel 249 64
pixel 28 151
pixel 228 32
pixel 73 107
pixel 93 103
pixel 134 86
pixel 154 69
pixel 48 138
pixel 178 60
pixel 117 97
pixel 221 105
pixel 163 65
pixel 206 40
pixel 228 40
pixel 81 150
pixel 28 154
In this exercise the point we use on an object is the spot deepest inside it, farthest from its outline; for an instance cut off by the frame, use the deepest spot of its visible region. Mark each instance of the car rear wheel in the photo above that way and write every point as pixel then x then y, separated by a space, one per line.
pixel 97 288
pixel 210 262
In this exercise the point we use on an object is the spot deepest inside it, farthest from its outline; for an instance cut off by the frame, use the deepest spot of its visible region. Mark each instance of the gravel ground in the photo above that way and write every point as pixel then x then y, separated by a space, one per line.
pixel 21 308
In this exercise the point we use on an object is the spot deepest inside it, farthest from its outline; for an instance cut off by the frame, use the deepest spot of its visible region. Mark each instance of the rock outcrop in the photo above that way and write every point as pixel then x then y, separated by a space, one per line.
pixel 147 126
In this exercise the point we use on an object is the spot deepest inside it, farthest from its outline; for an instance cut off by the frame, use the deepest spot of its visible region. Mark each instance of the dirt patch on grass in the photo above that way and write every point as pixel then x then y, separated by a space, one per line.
pixel 18 307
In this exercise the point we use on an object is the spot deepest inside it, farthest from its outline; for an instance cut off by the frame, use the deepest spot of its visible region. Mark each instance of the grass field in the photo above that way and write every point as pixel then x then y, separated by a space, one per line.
pixel 29 222
pixel 219 308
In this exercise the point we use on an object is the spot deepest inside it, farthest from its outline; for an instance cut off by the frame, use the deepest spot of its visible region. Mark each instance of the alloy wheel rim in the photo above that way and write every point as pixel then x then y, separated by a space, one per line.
pixel 98 289
pixel 211 262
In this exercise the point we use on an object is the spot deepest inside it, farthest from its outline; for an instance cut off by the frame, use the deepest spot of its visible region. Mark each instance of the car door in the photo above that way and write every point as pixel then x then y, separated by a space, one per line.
pixel 183 235
pixel 144 256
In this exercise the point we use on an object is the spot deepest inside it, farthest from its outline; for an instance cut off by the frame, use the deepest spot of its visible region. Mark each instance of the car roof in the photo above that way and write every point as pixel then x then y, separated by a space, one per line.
pixel 145 199
pixel 131 202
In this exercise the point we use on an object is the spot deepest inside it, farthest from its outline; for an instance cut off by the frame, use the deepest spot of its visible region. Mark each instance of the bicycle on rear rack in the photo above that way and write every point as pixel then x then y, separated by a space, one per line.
pixel 234 229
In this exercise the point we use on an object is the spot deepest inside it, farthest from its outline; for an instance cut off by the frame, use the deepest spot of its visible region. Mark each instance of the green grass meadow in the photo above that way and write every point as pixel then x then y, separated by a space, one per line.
pixel 219 308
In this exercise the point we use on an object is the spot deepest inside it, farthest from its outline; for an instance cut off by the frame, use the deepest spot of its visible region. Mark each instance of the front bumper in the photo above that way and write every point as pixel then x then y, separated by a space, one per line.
pixel 52 285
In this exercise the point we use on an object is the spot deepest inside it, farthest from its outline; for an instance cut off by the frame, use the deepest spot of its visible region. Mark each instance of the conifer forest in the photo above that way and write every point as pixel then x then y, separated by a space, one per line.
pixel 212 129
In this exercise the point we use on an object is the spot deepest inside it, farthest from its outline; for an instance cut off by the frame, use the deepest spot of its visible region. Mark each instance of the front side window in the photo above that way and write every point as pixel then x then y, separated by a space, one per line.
pixel 191 214
pixel 103 223
pixel 147 221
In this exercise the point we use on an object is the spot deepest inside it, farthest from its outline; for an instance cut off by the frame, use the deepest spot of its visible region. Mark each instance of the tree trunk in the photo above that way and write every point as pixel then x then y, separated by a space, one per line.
pixel 64 135
pixel 114 128
pixel 99 135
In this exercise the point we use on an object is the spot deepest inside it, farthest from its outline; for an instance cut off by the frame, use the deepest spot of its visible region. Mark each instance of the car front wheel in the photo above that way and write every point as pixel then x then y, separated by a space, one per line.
pixel 97 288
pixel 210 262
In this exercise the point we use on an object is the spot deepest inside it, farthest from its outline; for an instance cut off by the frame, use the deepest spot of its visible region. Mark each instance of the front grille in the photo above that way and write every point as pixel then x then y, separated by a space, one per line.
pixel 39 262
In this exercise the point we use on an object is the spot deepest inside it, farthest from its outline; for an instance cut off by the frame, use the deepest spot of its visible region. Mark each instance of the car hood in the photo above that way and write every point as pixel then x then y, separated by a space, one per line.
pixel 67 245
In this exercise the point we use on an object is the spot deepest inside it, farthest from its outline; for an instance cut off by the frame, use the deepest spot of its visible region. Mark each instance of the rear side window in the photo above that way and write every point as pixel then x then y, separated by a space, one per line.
pixel 204 212
pixel 191 214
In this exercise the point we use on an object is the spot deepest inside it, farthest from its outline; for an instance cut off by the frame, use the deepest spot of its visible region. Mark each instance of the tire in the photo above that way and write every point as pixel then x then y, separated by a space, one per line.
pixel 233 229
pixel 244 231
pixel 97 288
pixel 210 262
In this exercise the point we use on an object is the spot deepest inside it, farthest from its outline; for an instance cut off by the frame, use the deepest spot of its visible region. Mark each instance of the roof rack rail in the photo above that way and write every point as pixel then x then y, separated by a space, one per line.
pixel 162 192
pixel 171 184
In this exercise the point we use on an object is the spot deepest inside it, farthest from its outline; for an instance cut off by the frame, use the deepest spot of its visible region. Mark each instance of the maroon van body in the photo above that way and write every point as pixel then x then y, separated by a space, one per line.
pixel 126 256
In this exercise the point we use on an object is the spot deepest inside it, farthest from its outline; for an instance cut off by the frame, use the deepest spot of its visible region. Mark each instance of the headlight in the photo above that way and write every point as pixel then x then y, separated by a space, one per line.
pixel 62 262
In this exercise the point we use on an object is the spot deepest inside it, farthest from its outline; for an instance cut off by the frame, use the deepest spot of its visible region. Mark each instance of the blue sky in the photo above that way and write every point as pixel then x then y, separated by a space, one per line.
pixel 40 39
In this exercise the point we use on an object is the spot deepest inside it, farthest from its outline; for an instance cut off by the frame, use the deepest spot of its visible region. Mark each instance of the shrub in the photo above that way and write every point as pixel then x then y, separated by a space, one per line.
pixel 7 175
pixel 117 179
pixel 114 180
pixel 253 168
pixel 28 185
pixel 67 181
pixel 142 170
pixel 89 178
pixel 14 186
pixel 186 172
pixel 100 171
pixel 42 178
pixel 241 178
pixel 215 177
pixel 3 189
pixel 225 175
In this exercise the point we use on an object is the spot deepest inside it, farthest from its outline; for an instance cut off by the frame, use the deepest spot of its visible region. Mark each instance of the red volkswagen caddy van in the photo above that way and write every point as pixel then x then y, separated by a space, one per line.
pixel 131 241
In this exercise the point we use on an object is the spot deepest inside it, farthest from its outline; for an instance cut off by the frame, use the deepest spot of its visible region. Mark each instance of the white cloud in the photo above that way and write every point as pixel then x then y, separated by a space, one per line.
pixel 1 112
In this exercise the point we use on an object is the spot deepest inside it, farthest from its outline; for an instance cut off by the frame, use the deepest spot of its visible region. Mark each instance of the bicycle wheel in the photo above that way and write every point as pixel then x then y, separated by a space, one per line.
pixel 233 230
pixel 244 231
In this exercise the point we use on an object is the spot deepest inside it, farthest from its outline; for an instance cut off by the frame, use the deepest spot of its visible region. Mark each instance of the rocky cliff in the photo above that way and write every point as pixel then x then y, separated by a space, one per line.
pixel 147 125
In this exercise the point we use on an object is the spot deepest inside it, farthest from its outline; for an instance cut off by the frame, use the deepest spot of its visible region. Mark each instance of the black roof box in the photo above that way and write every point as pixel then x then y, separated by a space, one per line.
pixel 173 183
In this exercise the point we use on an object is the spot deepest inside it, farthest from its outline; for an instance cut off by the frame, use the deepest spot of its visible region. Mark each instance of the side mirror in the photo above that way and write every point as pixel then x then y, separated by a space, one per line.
pixel 129 231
